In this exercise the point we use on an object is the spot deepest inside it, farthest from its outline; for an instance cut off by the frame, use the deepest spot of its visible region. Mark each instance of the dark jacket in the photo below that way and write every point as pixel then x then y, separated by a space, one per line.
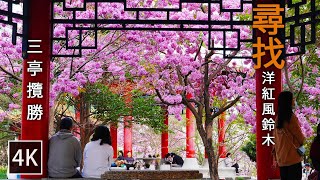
pixel 177 160
pixel 64 155
pixel 119 158
pixel 315 153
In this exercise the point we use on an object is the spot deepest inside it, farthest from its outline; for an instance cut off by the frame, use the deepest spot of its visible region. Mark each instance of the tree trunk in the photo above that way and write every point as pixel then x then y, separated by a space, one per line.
pixel 51 118
pixel 51 122
pixel 85 128
pixel 213 168
pixel 206 136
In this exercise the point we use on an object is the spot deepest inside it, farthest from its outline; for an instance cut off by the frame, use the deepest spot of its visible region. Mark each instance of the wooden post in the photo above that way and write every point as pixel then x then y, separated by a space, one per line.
pixel 39 33
pixel 165 136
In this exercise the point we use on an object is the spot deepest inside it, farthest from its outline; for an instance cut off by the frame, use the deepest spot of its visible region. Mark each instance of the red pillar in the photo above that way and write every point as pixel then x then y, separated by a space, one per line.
pixel 265 170
pixel 190 132
pixel 38 29
pixel 264 156
pixel 77 129
pixel 222 131
pixel 165 136
pixel 114 137
pixel 127 135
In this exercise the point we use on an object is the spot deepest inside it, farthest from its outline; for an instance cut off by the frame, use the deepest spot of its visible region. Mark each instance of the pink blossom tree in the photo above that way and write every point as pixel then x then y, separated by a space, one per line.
pixel 170 65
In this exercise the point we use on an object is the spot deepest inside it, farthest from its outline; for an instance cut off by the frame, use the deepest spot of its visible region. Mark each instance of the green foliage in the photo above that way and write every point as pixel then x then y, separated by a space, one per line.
pixel 5 135
pixel 146 111
pixel 106 105
pixel 235 134
pixel 240 178
pixel 250 147
pixel 244 16
pixel 3 172
pixel 4 101
pixel 199 151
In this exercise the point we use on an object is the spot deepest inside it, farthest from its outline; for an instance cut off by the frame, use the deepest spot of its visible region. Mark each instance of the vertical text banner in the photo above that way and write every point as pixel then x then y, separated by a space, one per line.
pixel 36 71
pixel 269 58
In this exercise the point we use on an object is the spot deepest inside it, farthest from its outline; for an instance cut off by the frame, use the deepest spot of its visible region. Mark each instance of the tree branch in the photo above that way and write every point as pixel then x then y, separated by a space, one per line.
pixel 10 63
pixel 191 107
pixel 302 77
pixel 222 66
pixel 92 57
pixel 198 52
pixel 286 73
pixel 221 110
pixel 163 101
pixel 10 74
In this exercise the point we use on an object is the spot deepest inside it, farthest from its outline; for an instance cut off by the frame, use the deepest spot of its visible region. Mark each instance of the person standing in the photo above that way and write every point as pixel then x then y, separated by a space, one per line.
pixel 288 137
pixel 314 151
pixel 64 152
pixel 98 154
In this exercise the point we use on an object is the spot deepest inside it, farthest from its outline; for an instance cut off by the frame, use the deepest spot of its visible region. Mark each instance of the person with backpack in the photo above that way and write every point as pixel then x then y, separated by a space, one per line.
pixel 288 137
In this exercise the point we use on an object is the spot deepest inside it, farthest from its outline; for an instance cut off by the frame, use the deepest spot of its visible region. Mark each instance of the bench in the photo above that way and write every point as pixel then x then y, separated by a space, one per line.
pixel 223 171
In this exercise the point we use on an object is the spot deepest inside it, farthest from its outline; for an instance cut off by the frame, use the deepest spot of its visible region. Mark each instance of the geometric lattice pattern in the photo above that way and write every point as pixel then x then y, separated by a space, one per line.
pixel 9 17
pixel 302 25
pixel 137 22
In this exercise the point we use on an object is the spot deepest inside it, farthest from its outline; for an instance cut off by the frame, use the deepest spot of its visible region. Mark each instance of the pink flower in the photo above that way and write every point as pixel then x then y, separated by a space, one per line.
pixel 2 116
pixel 13 106
pixel 15 95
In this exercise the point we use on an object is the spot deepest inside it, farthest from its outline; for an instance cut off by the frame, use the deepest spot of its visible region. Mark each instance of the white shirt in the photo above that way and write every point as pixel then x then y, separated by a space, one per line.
pixel 97 159
pixel 228 161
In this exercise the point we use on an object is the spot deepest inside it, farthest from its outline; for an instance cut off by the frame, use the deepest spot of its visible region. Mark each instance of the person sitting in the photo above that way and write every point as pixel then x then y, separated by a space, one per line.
pixel 98 154
pixel 119 161
pixel 230 163
pixel 64 152
pixel 120 155
pixel 172 158
pixel 129 160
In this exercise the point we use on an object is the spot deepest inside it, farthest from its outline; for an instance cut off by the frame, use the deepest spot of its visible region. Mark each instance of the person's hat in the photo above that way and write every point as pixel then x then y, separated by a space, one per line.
pixel 307 164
